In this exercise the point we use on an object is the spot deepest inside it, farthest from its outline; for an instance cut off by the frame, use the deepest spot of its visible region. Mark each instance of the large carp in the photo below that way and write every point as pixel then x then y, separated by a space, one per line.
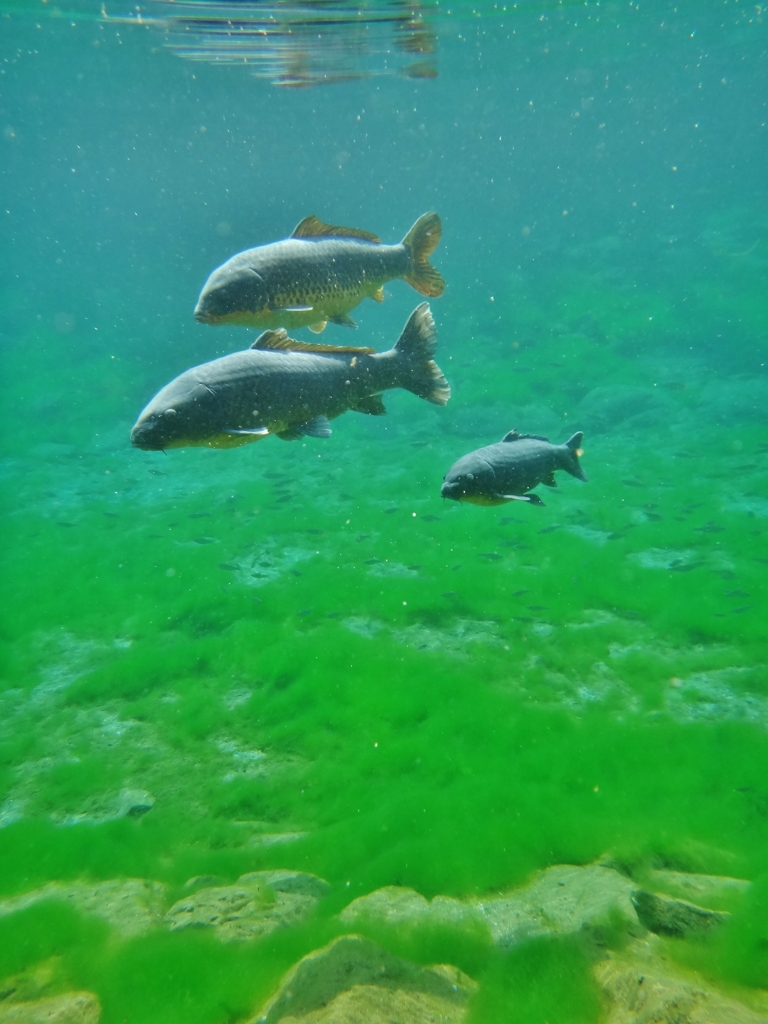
pixel 318 274
pixel 289 388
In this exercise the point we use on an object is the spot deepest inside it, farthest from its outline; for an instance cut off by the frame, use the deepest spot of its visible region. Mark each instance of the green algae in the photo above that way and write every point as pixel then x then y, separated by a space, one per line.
pixel 542 981
pixel 403 691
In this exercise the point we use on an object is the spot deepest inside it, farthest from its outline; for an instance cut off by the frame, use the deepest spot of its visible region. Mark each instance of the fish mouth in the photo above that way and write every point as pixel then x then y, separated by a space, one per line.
pixel 143 439
pixel 448 491
pixel 205 318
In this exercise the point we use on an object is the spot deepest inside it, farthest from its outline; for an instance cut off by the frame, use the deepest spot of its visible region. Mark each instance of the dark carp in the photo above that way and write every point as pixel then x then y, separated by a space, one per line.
pixel 317 275
pixel 289 388
pixel 510 469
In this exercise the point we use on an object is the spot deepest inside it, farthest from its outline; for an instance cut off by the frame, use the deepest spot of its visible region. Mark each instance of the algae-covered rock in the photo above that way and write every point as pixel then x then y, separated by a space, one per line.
pixel 560 900
pixel 397 905
pixel 44 978
pixel 642 988
pixel 352 980
pixel 702 889
pixel 258 903
pixel 69 1008
pixel 666 915
pixel 130 905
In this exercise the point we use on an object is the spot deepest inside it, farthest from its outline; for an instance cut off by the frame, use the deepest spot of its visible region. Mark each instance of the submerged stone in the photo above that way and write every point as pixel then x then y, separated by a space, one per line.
pixel 259 903
pixel 641 987
pixel 352 980
pixel 666 915
pixel 69 1008
pixel 132 906
pixel 560 900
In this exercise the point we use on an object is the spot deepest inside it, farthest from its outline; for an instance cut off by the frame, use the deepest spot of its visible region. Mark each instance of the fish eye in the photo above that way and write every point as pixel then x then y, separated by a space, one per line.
pixel 169 412
pixel 470 476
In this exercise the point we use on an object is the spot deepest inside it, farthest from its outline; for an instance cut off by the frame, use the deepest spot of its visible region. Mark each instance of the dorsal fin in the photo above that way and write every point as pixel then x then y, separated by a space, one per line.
pixel 313 227
pixel 514 436
pixel 278 340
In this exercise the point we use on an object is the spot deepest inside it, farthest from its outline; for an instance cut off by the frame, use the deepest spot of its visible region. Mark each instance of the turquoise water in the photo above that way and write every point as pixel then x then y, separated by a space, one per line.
pixel 296 655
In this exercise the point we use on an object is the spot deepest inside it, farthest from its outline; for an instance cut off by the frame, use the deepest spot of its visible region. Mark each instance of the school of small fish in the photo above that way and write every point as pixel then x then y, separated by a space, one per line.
pixel 293 389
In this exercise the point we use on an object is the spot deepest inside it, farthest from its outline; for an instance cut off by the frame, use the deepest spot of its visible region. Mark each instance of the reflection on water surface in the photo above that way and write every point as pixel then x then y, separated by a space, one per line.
pixel 296 42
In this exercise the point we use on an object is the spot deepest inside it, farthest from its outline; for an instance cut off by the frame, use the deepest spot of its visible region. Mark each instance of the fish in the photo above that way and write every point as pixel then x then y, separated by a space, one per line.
pixel 288 388
pixel 510 469
pixel 317 276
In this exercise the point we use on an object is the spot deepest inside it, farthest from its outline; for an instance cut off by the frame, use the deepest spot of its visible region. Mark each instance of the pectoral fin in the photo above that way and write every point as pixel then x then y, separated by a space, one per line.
pixel 343 320
pixel 317 427
pixel 256 432
pixel 378 295
pixel 550 480
pixel 532 499
pixel 372 405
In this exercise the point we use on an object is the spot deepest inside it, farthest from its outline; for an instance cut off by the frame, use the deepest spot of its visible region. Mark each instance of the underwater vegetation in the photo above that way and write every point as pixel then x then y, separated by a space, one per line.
pixel 296 665
pixel 269 660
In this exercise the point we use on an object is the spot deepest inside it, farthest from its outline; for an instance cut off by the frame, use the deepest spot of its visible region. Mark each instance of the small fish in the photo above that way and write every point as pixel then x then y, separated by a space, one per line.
pixel 510 469
pixel 227 567
pixel 289 388
pixel 318 274
pixel 431 519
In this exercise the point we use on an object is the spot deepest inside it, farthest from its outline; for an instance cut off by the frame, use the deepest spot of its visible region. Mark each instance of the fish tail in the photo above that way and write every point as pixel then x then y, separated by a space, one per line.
pixel 421 241
pixel 571 453
pixel 415 348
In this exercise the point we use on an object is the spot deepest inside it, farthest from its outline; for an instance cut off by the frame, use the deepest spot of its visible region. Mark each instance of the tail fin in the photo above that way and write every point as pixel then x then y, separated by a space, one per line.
pixel 571 453
pixel 415 348
pixel 422 241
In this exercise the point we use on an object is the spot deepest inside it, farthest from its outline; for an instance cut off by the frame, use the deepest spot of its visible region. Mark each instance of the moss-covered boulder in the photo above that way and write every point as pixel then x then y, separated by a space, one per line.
pixel 69 1008
pixel 558 901
pixel 353 980
pixel 666 915
pixel 642 987
pixel 259 903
